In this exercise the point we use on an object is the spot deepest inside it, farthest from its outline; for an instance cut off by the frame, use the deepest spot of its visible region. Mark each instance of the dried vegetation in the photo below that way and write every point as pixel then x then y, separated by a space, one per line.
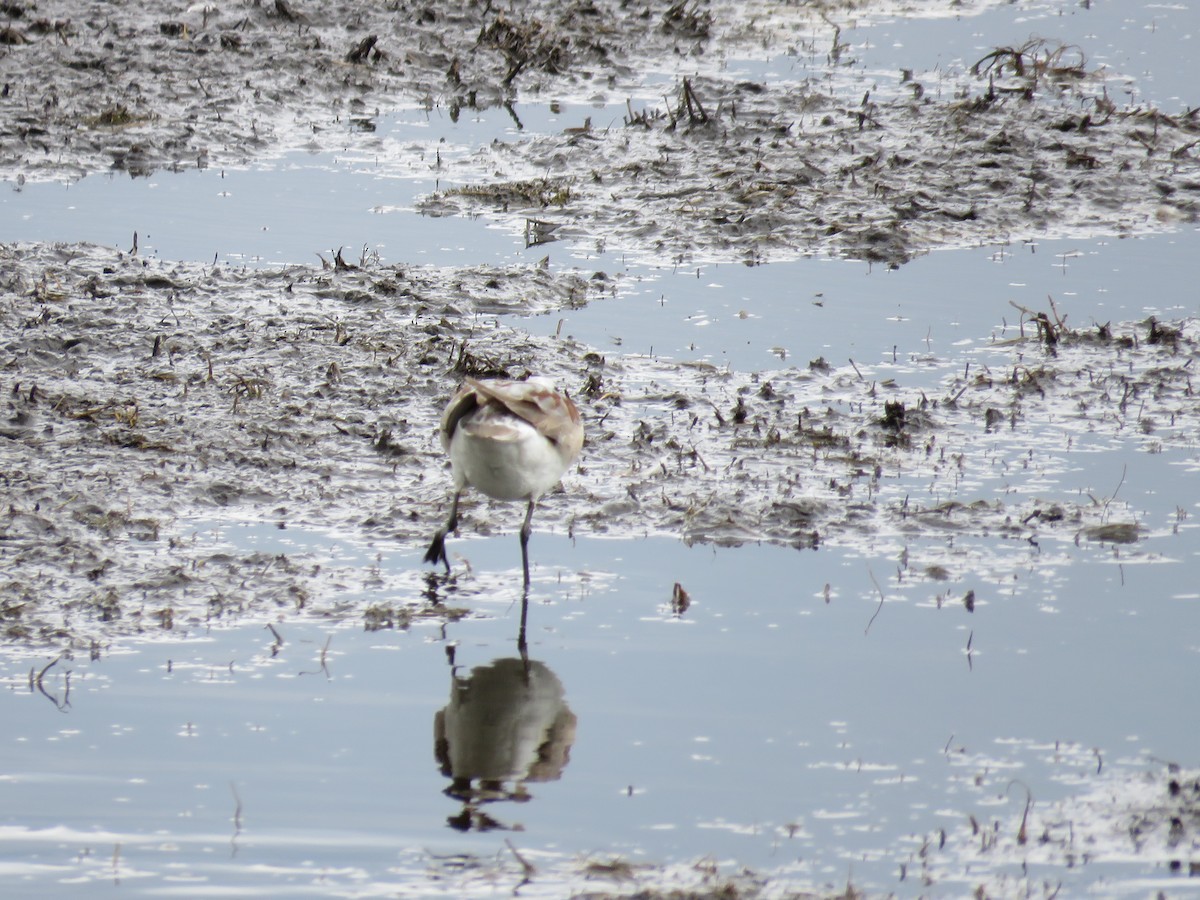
pixel 1153 817
pixel 78 76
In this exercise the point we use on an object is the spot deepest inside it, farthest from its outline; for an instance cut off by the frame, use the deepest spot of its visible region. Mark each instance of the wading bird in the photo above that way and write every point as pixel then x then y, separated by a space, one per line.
pixel 512 440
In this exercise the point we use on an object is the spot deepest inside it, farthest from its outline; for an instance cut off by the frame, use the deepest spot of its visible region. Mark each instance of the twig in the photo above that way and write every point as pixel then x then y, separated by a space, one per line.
pixel 879 608
pixel 695 109
pixel 324 667
pixel 237 810
pixel 237 820
pixel 42 674
pixel 1058 320
pixel 526 866
pixel 1023 831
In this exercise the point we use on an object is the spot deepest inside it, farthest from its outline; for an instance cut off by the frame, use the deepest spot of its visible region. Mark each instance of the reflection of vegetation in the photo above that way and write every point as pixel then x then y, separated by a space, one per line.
pixel 539 192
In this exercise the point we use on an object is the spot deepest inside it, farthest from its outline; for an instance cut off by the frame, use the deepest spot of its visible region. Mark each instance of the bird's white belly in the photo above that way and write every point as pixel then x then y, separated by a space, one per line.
pixel 526 466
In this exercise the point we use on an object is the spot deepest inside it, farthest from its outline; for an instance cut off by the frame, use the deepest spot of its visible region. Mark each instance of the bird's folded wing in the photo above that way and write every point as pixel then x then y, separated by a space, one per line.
pixel 546 410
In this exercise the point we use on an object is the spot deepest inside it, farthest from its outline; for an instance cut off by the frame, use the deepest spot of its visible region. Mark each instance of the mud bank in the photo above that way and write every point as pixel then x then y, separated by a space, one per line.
pixel 1028 146
pixel 89 86
pixel 143 398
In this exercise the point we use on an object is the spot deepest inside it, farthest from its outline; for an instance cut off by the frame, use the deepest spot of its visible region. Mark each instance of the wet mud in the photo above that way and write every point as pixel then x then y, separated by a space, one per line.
pixel 89 86
pixel 142 399
pixel 143 396
pixel 1152 816
pixel 1027 144
pixel 1025 141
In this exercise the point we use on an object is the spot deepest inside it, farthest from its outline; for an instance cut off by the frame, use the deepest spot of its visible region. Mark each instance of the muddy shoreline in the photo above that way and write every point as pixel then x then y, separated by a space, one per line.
pixel 1024 141
pixel 143 397
pixel 92 85
pixel 147 404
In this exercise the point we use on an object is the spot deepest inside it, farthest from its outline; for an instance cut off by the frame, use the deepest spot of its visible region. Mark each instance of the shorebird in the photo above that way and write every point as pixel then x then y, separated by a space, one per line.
pixel 512 440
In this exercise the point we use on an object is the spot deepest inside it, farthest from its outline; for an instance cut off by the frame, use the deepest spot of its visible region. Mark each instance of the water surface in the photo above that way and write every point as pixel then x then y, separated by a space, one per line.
pixel 820 715
pixel 786 720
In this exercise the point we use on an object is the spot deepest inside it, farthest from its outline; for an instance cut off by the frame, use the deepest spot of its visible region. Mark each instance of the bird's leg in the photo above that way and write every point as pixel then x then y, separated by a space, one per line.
pixel 522 645
pixel 437 547
pixel 526 530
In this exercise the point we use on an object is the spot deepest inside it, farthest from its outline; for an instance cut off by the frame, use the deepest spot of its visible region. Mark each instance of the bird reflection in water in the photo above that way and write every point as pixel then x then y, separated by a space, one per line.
pixel 506 725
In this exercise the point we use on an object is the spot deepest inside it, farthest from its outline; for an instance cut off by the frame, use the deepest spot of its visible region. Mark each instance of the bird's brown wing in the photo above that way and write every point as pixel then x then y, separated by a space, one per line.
pixel 551 413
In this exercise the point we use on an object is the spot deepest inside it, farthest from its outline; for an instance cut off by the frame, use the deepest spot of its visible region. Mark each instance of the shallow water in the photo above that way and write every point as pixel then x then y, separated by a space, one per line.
pixel 764 724
pixel 788 720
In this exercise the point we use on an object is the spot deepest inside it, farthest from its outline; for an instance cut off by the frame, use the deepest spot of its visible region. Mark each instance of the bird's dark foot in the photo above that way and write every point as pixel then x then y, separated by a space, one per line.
pixel 437 550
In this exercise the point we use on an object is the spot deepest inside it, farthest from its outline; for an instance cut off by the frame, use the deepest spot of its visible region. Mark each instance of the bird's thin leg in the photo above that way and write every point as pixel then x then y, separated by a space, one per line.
pixel 526 530
pixel 522 646
pixel 437 547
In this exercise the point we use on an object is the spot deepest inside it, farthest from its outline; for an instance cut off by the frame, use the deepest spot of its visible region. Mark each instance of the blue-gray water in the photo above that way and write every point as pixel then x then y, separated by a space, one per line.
pixel 765 726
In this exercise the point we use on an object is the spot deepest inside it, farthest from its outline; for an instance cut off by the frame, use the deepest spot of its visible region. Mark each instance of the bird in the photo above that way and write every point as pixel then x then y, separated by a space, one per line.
pixel 511 440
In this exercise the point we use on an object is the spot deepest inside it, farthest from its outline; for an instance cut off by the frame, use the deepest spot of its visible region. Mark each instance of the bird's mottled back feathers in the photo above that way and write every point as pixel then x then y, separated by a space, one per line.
pixel 554 415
